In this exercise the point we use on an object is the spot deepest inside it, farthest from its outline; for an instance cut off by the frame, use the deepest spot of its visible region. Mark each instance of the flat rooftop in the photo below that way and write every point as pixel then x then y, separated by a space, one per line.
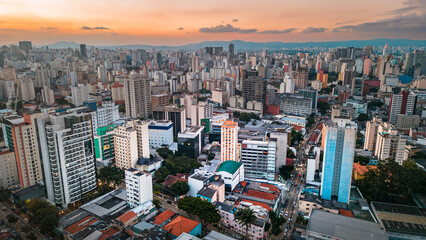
pixel 342 227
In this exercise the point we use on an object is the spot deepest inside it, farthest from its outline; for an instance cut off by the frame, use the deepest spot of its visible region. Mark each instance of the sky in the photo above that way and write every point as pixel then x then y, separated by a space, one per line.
pixel 177 22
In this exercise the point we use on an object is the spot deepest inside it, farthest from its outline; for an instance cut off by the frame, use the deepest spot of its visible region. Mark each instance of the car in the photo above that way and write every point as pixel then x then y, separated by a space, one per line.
pixel 169 202
pixel 286 214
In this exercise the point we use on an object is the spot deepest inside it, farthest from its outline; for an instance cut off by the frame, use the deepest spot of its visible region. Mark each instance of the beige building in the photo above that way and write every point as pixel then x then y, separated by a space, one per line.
pixel 47 95
pixel 220 96
pixel 8 171
pixel 117 92
pixel 126 147
pixel 404 121
pixel 371 134
pixel 390 144
pixel 229 136
pixel 137 95
pixel 21 138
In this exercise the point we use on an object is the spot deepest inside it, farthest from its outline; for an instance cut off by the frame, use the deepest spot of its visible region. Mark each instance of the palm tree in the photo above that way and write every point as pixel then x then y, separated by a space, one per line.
pixel 245 217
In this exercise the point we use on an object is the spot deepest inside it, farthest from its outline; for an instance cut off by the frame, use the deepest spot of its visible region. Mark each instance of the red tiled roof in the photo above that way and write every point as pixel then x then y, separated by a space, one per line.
pixel 162 217
pixel 347 213
pixel 172 179
pixel 80 225
pixel 271 187
pixel 243 183
pixel 262 195
pixel 264 205
pixel 126 216
pixel 313 137
pixel 361 170
pixel 108 233
pixel 180 225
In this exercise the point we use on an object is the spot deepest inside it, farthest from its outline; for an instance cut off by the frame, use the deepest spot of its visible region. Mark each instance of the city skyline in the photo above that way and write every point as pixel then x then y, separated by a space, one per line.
pixel 187 21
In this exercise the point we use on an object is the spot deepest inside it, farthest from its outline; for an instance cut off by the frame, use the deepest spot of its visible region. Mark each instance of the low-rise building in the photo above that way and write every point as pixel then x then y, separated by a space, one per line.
pixel 191 141
pixel 232 173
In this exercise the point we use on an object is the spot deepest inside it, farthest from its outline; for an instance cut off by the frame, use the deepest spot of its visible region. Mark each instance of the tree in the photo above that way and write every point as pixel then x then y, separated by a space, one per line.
pixel 176 164
pixel 44 214
pixel 285 171
pixel 246 117
pixel 290 153
pixel 157 204
pixel 323 107
pixel 111 175
pixel 311 120
pixel 180 188
pixel 359 140
pixel 122 108
pixel 373 104
pixel 164 152
pixel 296 137
pixel 26 229
pixel 31 236
pixel 5 194
pixel 205 211
pixel 362 117
pixel 277 222
pixel 362 160
pixel 245 217
pixel 210 156
pixel 11 218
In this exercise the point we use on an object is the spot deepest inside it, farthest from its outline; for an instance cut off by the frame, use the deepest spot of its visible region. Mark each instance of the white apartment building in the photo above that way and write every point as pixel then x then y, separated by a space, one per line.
pixel 371 134
pixel 67 153
pixel 79 93
pixel 259 159
pixel 138 187
pixel 126 147
pixel 390 144
pixel 160 133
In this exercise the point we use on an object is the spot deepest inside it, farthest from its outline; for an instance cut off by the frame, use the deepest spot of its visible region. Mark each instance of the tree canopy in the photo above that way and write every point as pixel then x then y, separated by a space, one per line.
pixel 111 175
pixel 246 117
pixel 311 120
pixel 277 222
pixel 323 107
pixel 362 117
pixel 197 207
pixel 391 182
pixel 245 217
pixel 180 188
pixel 362 160
pixel 296 137
pixel 176 164
pixel 285 171
pixel 43 214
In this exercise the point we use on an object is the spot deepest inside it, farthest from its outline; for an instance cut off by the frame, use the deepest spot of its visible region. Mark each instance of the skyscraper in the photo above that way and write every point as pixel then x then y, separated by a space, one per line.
pixel 25 46
pixel 371 134
pixel 403 103
pixel 339 151
pixel 137 96
pixel 83 50
pixel 390 144
pixel 259 159
pixel 254 89
pixel 301 78
pixel 229 141
pixel 231 51
pixel 67 154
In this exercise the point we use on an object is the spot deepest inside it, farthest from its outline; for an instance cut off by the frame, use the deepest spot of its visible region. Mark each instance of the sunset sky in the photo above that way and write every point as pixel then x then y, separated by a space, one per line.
pixel 166 22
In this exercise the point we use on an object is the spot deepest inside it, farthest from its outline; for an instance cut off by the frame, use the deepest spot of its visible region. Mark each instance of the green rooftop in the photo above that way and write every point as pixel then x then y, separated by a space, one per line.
pixel 229 166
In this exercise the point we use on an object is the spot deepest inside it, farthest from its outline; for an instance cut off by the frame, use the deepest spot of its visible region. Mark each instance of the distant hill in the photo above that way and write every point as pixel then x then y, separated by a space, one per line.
pixel 243 45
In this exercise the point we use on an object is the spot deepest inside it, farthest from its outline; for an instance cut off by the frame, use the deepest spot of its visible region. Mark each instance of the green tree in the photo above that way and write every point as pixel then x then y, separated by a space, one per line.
pixel 44 214
pixel 26 229
pixel 176 164
pixel 362 117
pixel 31 236
pixel 200 208
pixel 277 222
pixel 323 107
pixel 245 217
pixel 285 171
pixel 179 187
pixel 164 152
pixel 362 160
pixel 311 120
pixel 296 137
pixel 373 104
pixel 122 108
pixel 5 194
pixel 111 175
pixel 157 204
pixel 290 153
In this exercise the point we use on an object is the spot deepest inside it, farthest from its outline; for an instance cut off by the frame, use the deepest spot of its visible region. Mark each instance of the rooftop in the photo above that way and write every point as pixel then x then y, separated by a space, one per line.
pixel 229 166
pixel 207 192
pixel 180 225
pixel 342 227
pixel 164 216
pixel 80 225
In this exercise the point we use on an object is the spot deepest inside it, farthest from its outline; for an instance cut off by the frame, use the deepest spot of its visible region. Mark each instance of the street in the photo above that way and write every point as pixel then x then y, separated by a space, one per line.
pixel 19 224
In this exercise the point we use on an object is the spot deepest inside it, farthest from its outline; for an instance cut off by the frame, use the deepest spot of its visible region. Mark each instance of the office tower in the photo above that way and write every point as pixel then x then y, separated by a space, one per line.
pixel 25 46
pixel 367 66
pixel 302 78
pixel 259 158
pixel 79 93
pixel 231 51
pixel 47 96
pixel 103 115
pixel 126 147
pixel 102 74
pixel 371 134
pixel 172 113
pixel 187 101
pixel 21 138
pixel 368 50
pixel 191 141
pixel 295 105
pixel 312 94
pixel 195 63
pixel 160 133
pixel 138 187
pixel 26 86
pixel 403 103
pixel 357 86
pixel 254 89
pixel 104 145
pixel 83 50
pixel 339 151
pixel 229 141
pixel 359 65
pixel 386 50
pixel 279 135
pixel 137 96
pixel 8 170
pixel 390 144
pixel 67 153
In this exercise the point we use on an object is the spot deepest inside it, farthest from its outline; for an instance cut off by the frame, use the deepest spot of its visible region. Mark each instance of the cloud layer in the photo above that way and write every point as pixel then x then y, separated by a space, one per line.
pixel 228 28
pixel 289 30
pixel 93 28
pixel 314 30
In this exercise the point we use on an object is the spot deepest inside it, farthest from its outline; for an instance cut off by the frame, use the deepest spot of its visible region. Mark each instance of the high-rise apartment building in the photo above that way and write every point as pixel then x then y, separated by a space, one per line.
pixel 79 93
pixel 339 152
pixel 138 187
pixel 403 103
pixel 126 147
pixel 103 115
pixel 390 144
pixel 302 78
pixel 295 105
pixel 259 158
pixel 83 50
pixel 21 138
pixel 229 141
pixel 67 152
pixel 25 46
pixel 202 110
pixel 137 95
pixel 280 136
pixel 8 170
pixel 254 89
pixel 371 134
pixel 172 113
